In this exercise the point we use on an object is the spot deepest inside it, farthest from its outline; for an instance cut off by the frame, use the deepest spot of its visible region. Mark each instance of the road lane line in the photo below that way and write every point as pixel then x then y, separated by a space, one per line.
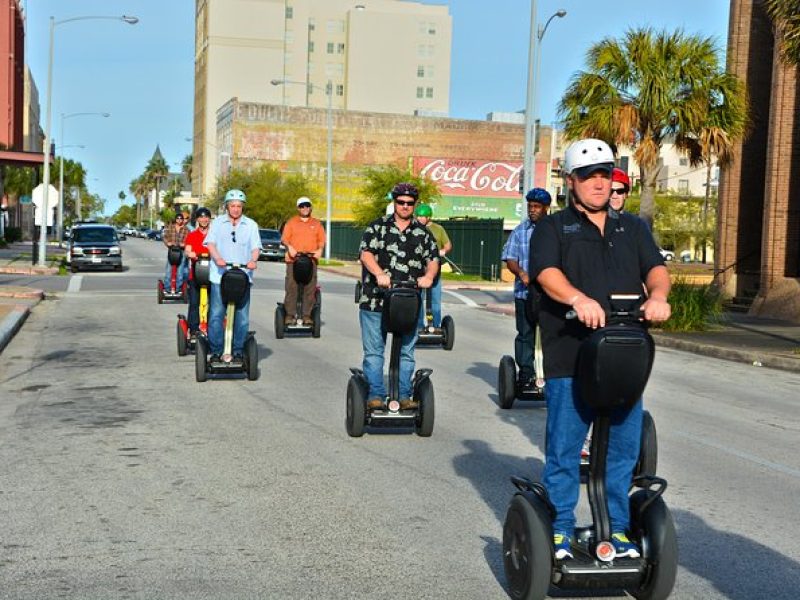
pixel 464 299
pixel 786 470
pixel 74 284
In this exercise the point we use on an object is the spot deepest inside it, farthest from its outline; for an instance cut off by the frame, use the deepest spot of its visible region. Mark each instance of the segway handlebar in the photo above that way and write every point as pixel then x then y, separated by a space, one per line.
pixel 632 310
pixel 637 314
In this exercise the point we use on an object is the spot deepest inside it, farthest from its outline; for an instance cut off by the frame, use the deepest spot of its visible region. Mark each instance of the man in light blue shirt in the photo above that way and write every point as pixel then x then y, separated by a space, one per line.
pixel 515 254
pixel 232 238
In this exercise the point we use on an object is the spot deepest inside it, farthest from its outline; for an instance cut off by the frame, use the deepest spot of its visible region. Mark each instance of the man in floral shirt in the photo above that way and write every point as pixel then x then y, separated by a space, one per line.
pixel 393 247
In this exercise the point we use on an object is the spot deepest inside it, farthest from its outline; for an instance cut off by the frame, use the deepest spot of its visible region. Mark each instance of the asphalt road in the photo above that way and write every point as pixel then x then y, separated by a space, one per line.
pixel 124 478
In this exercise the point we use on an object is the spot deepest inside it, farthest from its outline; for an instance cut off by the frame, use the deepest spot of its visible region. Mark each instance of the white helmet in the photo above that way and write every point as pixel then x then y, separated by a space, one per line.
pixel 584 157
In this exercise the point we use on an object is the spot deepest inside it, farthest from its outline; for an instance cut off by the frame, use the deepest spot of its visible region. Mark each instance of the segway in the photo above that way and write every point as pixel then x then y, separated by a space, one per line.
pixel 400 316
pixel 233 286
pixel 623 347
pixel 444 336
pixel 509 388
pixel 173 294
pixel 186 341
pixel 303 271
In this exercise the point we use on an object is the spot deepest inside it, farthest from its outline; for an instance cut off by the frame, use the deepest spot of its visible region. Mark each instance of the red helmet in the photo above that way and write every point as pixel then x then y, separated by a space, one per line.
pixel 621 176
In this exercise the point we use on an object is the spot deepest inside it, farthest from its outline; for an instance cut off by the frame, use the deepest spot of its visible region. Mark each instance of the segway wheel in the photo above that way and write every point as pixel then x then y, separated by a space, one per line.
pixel 251 358
pixel 449 331
pixel 318 299
pixel 355 419
pixel 280 316
pixel 183 346
pixel 648 451
pixel 424 395
pixel 657 531
pixel 201 359
pixel 506 382
pixel 316 318
pixel 160 292
pixel 527 549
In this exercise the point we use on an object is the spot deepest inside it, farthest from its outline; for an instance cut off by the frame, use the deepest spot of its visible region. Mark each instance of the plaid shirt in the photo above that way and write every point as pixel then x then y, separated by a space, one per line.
pixel 401 254
pixel 517 248
pixel 175 238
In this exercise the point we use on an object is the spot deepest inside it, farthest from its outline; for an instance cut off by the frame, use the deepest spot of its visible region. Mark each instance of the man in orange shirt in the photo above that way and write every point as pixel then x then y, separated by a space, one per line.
pixel 301 234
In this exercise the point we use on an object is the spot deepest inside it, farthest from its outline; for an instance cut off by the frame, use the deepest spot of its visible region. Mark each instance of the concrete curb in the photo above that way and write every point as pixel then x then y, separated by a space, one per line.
pixel 22 292
pixel 29 270
pixel 11 324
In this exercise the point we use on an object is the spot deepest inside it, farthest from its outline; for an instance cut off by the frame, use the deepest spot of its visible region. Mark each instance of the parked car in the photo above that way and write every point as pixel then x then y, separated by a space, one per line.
pixel 271 246
pixel 94 246
pixel 153 234
pixel 667 254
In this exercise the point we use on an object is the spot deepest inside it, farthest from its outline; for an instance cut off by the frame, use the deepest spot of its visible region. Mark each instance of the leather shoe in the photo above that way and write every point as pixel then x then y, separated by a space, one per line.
pixel 407 404
pixel 289 320
pixel 375 404
pixel 307 321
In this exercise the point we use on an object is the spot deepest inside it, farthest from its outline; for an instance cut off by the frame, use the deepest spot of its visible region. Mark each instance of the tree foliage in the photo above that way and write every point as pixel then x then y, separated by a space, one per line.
pixel 786 16
pixel 375 192
pixel 271 194
pixel 649 87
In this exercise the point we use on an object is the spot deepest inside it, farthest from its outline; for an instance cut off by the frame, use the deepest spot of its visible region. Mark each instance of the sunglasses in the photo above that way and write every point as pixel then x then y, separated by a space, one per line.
pixel 304 205
pixel 179 218
pixel 619 191
pixel 404 203
pixel 233 236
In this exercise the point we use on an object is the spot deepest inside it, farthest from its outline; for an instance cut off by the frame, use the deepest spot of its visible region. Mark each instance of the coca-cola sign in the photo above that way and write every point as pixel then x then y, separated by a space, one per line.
pixel 466 177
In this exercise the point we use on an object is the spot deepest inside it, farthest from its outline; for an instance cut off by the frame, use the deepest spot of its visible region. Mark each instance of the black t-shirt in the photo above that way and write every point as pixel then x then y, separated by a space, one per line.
pixel 404 255
pixel 616 262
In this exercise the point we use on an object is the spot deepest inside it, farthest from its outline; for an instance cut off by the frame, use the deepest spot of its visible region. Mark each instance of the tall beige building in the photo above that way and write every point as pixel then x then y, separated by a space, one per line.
pixel 390 56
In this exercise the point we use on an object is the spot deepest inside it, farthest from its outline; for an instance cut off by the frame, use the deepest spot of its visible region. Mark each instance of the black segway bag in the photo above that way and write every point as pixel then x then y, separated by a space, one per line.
pixel 614 365
pixel 303 269
pixel 202 269
pixel 174 255
pixel 233 285
pixel 400 310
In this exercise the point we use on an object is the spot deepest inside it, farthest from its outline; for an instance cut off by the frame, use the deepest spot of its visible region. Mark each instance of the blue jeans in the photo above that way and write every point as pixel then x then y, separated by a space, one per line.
pixel 568 420
pixel 373 340
pixel 181 276
pixel 523 343
pixel 216 315
pixel 436 305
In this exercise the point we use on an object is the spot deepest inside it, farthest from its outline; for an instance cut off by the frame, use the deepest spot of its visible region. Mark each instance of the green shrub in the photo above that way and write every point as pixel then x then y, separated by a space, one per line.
pixel 694 307
pixel 13 234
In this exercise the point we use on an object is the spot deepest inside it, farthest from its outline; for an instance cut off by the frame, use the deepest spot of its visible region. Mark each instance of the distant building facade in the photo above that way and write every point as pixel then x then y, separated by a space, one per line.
pixel 388 56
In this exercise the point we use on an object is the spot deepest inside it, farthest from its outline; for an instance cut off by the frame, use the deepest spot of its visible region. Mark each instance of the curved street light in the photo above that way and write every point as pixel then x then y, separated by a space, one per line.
pixel 534 61
pixel 60 225
pixel 329 173
pixel 48 120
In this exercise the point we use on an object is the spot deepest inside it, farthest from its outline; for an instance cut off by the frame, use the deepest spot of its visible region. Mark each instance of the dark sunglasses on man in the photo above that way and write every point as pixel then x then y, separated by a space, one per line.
pixel 405 203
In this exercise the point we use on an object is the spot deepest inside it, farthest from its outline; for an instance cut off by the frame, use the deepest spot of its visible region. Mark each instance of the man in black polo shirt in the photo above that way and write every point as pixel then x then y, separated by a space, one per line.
pixel 393 247
pixel 580 256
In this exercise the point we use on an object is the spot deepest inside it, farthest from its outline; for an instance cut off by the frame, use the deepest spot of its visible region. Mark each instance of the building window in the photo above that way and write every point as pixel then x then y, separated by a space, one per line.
pixel 684 162
pixel 429 92
pixel 420 92
pixel 312 25
pixel 310 46
pixel 420 71
pixel 683 186
pixel 427 28
pixel 289 38
pixel 431 28
pixel 334 69
pixel 340 48
pixel 335 26
pixel 330 47
pixel 429 71
pixel 339 89
pixel 289 12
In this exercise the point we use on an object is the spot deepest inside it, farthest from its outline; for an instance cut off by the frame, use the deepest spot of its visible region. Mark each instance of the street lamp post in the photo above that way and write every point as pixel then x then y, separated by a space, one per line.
pixel 60 226
pixel 48 122
pixel 329 173
pixel 534 61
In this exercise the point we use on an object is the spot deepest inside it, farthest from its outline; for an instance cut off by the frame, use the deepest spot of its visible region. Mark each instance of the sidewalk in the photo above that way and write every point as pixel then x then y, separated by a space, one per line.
pixel 16 259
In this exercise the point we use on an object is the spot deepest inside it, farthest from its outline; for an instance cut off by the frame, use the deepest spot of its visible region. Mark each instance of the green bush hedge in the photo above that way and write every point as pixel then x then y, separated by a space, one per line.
pixel 694 307
pixel 13 234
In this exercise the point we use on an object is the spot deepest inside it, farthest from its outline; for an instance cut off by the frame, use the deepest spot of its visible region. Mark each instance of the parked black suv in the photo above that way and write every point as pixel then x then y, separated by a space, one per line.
pixel 94 246
pixel 271 246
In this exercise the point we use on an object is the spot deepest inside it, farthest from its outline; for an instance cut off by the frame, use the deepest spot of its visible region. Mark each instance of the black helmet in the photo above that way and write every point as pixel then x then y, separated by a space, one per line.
pixel 202 212
pixel 405 189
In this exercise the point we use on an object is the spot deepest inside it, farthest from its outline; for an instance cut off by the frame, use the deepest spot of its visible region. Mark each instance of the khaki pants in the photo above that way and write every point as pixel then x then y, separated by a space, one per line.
pixel 290 300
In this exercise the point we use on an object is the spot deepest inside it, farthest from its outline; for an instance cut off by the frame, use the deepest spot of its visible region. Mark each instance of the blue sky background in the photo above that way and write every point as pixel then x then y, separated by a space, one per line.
pixel 143 74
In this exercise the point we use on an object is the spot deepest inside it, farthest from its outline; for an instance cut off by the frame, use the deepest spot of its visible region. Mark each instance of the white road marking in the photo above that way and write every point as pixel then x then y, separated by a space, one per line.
pixel 464 299
pixel 74 284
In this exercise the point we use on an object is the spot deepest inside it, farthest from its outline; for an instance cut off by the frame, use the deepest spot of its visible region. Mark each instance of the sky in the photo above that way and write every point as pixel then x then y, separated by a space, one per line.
pixel 143 74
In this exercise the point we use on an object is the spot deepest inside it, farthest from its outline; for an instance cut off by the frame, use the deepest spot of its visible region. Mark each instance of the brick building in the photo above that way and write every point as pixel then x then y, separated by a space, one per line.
pixel 476 163
pixel 759 207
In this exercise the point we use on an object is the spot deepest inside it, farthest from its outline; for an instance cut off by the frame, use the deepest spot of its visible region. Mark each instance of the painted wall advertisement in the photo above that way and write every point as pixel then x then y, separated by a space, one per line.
pixel 477 188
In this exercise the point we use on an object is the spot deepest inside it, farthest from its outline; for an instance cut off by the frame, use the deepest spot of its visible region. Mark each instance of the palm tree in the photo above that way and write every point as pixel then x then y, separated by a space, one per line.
pixel 139 188
pixel 187 167
pixel 156 170
pixel 647 88
pixel 786 16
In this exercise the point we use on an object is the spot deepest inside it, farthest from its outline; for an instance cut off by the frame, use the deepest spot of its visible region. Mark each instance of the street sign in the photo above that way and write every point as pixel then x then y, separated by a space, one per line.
pixel 24 199
pixel 52 203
